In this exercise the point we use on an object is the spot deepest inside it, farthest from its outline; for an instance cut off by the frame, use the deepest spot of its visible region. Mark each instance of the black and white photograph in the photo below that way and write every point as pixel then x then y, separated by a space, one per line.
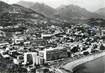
pixel 52 36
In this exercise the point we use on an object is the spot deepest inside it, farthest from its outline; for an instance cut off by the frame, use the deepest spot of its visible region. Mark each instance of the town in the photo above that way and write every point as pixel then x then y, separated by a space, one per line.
pixel 52 46
pixel 33 43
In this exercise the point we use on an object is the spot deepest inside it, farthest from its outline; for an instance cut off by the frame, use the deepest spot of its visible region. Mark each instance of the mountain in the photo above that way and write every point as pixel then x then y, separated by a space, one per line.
pixel 16 9
pixel 3 7
pixel 16 15
pixel 15 18
pixel 26 4
pixel 66 12
pixel 75 12
pixel 12 16
pixel 39 7
pixel 44 9
pixel 101 11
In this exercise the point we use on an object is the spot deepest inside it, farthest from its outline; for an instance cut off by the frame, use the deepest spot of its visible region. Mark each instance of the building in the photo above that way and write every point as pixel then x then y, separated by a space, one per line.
pixel 32 58
pixel 52 54
pixel 17 39
pixel 4 43
pixel 46 35
pixel 103 33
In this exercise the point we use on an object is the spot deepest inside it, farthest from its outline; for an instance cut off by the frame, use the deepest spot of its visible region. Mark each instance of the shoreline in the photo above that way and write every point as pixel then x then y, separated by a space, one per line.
pixel 70 66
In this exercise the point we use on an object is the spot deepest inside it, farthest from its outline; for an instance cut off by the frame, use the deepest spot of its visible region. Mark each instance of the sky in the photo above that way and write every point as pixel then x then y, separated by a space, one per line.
pixel 91 5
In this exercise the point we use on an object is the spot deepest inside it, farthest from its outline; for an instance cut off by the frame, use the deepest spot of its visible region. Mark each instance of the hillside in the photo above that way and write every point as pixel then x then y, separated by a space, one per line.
pixel 3 7
pixel 25 4
pixel 65 12
pixel 75 12
pixel 44 9
pixel 39 7
pixel 14 18
pixel 17 9
pixel 101 11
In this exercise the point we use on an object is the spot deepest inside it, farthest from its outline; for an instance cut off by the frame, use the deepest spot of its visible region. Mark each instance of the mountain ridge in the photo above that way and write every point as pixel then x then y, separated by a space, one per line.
pixel 44 9
pixel 65 11
pixel 101 11
pixel 25 3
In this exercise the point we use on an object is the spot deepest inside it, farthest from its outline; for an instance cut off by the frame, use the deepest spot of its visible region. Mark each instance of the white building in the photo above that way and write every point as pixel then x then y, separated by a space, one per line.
pixel 36 59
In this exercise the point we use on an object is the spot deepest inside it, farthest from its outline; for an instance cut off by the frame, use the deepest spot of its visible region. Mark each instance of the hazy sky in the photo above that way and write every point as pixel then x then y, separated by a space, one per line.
pixel 91 5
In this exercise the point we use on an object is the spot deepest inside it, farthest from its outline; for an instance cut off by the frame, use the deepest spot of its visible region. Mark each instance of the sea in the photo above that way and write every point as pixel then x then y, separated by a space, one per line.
pixel 94 66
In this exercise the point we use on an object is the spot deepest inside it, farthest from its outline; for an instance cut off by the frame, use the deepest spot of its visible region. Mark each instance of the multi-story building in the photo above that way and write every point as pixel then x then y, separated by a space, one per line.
pixel 52 54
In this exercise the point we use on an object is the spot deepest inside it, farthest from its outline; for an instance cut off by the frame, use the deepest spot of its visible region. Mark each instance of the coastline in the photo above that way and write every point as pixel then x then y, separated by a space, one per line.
pixel 70 66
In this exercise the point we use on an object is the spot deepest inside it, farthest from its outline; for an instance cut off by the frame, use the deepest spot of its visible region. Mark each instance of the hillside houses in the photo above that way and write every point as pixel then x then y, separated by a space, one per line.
pixel 17 39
